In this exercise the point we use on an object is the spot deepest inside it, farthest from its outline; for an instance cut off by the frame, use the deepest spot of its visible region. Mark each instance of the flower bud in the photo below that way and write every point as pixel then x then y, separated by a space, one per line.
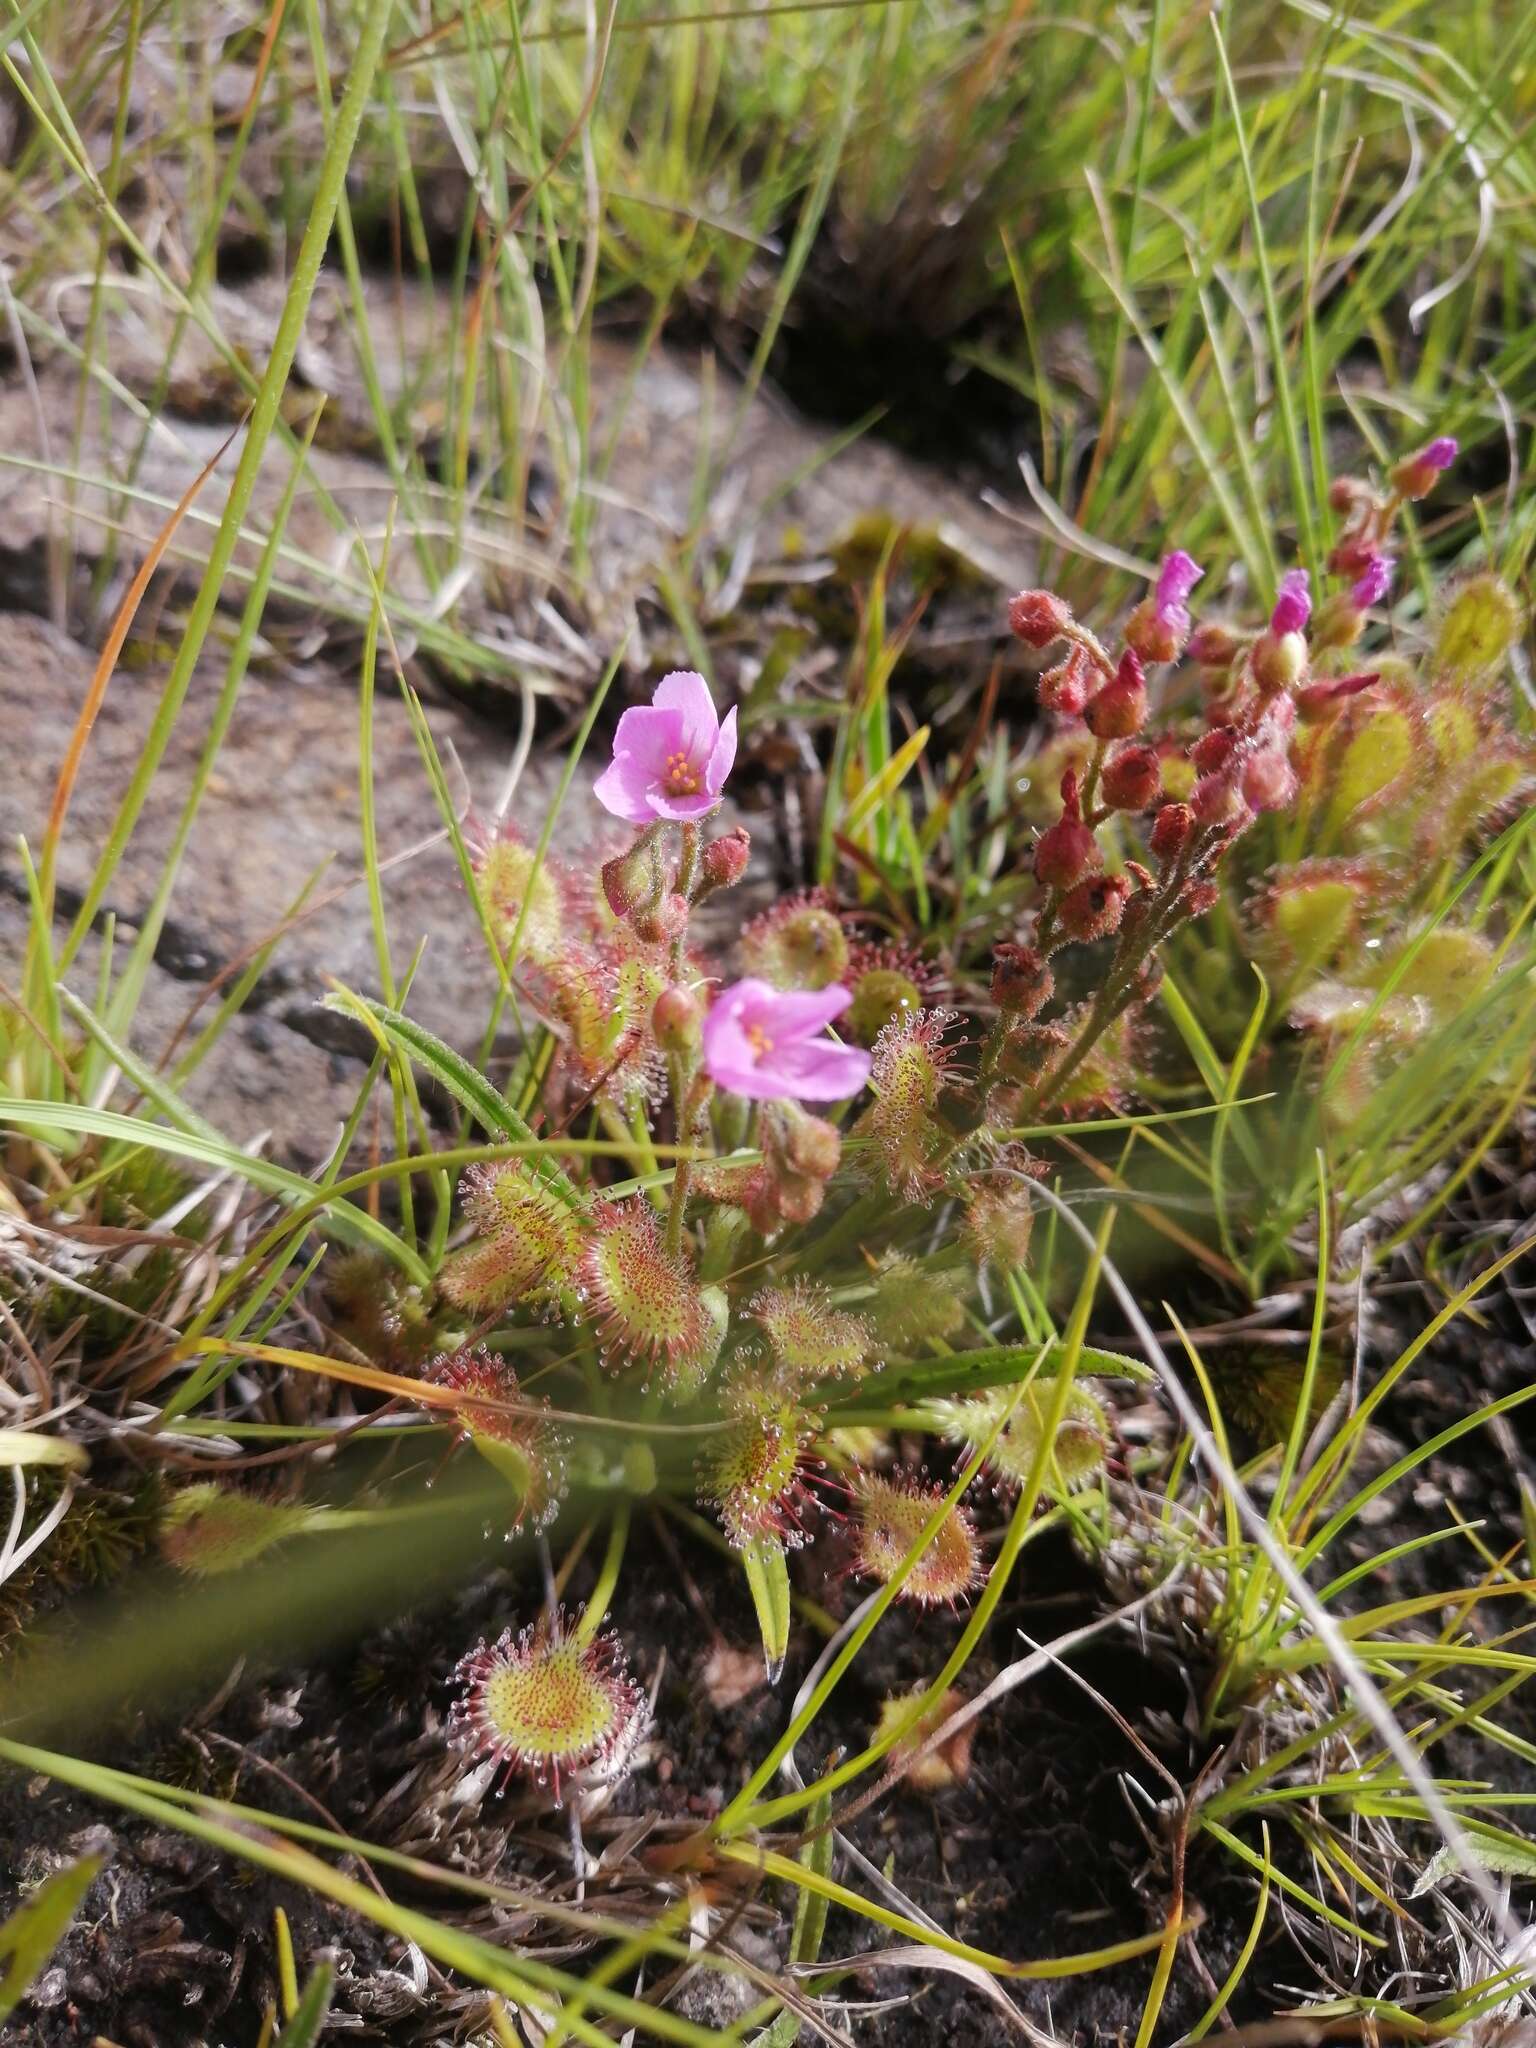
pixel 1350 494
pixel 1133 779
pixel 1214 645
pixel 659 922
pixel 1067 850
pixel 812 1146
pixel 1339 622
pixel 1022 981
pixel 1217 800
pixel 1120 708
pixel 1416 475
pixel 1150 635
pixel 1279 660
pixel 675 1020
pixel 630 880
pixel 1065 688
pixel 724 860
pixel 1093 909
pixel 1213 749
pixel 1200 897
pixel 1170 831
pixel 1038 617
pixel 1316 702
pixel 799 1197
pixel 1269 781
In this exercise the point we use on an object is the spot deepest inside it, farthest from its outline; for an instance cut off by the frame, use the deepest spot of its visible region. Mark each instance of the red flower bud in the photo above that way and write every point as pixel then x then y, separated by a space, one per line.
pixel 1350 493
pixel 1064 689
pixel 1038 617
pixel 725 859
pixel 1133 779
pixel 1093 909
pixel 799 1197
pixel 1152 635
pixel 675 1020
pixel 629 880
pixel 1022 981
pixel 1269 781
pixel 1067 850
pixel 1170 831
pixel 1213 749
pixel 1120 708
pixel 1214 645
pixel 1200 897
pixel 1217 800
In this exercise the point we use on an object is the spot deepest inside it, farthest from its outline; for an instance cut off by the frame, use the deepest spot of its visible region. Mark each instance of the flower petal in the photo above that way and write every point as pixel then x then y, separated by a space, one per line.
pixel 621 789
pixel 798 1013
pixel 722 756
pixel 684 695
pixel 683 807
pixel 819 1070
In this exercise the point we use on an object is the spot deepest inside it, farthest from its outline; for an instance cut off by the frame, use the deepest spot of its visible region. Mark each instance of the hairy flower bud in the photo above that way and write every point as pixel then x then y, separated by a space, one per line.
pixel 659 922
pixel 1065 689
pixel 675 1019
pixel 1416 475
pixel 1038 617
pixel 1213 749
pixel 1170 831
pixel 1317 702
pixel 1120 708
pixel 1269 781
pixel 1067 850
pixel 1217 799
pixel 631 879
pixel 724 860
pixel 1093 909
pixel 1022 981
pixel 1133 779
pixel 1214 645
pixel 810 1144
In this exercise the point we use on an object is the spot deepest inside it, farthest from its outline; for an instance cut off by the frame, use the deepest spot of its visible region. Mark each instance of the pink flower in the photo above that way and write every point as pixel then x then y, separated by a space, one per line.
pixel 1293 607
pixel 764 1042
pixel 1440 453
pixel 670 757
pixel 1374 582
pixel 1175 580
pixel 1416 475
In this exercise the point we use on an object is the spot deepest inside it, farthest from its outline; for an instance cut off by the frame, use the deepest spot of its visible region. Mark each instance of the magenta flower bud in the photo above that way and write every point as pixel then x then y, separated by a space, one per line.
pixel 1372 585
pixel 1038 617
pixel 766 1044
pixel 1318 701
pixel 1067 850
pixel 1133 779
pixel 1293 606
pixel 1159 626
pixel 1120 708
pixel 670 757
pixel 1416 475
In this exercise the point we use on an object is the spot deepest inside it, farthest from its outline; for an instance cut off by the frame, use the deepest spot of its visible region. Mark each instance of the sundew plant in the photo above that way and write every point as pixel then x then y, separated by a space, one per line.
pixel 766 1025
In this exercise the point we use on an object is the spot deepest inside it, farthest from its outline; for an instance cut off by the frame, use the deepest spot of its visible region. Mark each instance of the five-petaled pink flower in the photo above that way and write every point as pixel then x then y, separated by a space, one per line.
pixel 766 1044
pixel 671 756
pixel 1293 607
pixel 1175 580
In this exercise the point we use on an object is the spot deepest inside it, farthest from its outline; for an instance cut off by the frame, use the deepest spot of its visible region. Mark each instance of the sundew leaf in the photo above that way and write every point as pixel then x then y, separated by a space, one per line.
pixel 32 1933
pixel 973 1372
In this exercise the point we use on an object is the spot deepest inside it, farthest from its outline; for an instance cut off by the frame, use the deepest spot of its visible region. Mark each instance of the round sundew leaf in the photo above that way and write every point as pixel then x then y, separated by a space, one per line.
pixel 645 1302
pixel 890 1516
pixel 1481 624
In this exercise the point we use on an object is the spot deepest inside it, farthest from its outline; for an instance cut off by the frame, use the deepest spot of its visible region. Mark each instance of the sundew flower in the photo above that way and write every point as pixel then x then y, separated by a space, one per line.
pixel 670 757
pixel 1371 586
pixel 766 1043
pixel 1159 627
pixel 544 1703
pixel 1293 605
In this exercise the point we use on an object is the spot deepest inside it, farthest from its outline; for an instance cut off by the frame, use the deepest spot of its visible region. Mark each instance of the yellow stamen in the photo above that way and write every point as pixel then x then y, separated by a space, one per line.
pixel 682 778
pixel 759 1040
